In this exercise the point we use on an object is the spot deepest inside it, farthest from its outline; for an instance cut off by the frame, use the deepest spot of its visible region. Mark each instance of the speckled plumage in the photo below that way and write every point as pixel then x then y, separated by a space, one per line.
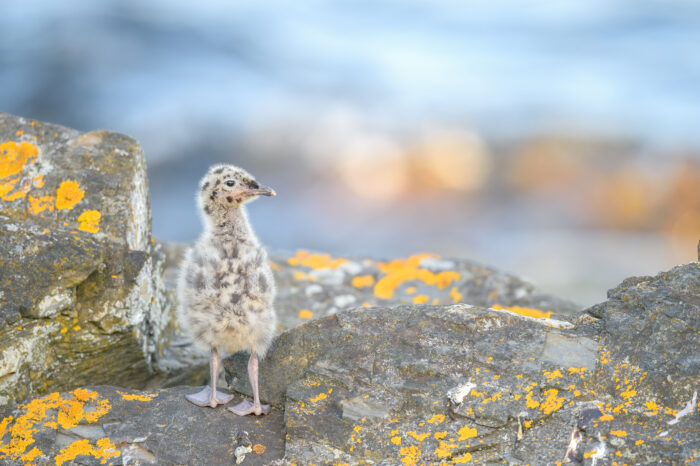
pixel 226 288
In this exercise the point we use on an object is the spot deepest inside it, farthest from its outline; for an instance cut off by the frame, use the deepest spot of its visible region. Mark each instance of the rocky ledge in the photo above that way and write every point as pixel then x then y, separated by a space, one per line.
pixel 419 384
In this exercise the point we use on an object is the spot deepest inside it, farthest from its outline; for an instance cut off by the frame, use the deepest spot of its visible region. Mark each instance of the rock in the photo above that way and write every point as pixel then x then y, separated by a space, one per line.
pixel 98 425
pixel 316 285
pixel 459 383
pixel 412 384
pixel 81 293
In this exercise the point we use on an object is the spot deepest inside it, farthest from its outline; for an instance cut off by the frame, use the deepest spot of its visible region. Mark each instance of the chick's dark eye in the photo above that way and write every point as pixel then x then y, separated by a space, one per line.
pixel 230 183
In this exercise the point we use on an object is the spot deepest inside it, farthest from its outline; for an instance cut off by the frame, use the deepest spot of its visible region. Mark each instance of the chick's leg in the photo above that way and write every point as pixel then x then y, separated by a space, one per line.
pixel 209 396
pixel 245 407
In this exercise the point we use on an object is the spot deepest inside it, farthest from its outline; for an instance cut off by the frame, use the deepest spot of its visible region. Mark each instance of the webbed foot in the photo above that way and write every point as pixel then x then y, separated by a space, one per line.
pixel 245 407
pixel 207 398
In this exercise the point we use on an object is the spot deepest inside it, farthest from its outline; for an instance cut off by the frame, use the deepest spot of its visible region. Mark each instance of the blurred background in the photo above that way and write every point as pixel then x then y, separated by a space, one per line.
pixel 556 140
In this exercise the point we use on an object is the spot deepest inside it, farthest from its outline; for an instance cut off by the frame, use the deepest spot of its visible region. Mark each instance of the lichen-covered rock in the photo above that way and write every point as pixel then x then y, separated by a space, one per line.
pixel 81 294
pixel 315 285
pixel 455 384
pixel 420 384
pixel 107 425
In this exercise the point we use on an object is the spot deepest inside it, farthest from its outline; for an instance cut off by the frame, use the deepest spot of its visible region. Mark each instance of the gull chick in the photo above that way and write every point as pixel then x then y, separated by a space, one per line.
pixel 226 288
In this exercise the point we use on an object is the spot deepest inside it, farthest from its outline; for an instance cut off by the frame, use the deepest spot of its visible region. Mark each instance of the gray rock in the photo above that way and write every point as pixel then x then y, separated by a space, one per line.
pixel 81 292
pixel 414 384
pixel 109 425
pixel 315 285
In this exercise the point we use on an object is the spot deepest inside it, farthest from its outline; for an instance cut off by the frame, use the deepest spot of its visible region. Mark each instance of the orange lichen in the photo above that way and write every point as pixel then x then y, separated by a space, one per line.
pixel 315 261
pixel 90 221
pixel 410 290
pixel 525 311
pixel 396 440
pixel 589 453
pixel 618 433
pixel 136 396
pixel 438 418
pixel 36 415
pixel 259 449
pixel 467 432
pixel 38 181
pixel 552 375
pixel 464 459
pixel 410 455
pixel 530 403
pixel 103 450
pixel 444 449
pixel 455 295
pixel 606 417
pixel 14 196
pixel 653 408
pixel 363 281
pixel 40 204
pixel 552 402
pixel 14 157
pixel 321 396
pixel 417 436
pixel 7 186
pixel 399 271
pixel 305 314
pixel 440 435
pixel 68 195
pixel 421 299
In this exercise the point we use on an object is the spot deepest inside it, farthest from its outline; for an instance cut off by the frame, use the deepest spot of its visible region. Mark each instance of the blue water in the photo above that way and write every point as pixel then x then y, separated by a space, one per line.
pixel 195 81
pixel 507 67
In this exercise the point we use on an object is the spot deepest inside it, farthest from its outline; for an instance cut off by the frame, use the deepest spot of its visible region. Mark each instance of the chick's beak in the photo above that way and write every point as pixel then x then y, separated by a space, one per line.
pixel 261 190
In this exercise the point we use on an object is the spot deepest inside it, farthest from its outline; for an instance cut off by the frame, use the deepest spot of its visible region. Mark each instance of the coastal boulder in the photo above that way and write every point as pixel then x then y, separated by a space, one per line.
pixel 81 293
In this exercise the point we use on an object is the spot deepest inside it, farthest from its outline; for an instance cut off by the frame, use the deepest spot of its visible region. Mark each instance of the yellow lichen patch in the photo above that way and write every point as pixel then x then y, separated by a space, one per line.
pixel 493 398
pixel 274 266
pixel 467 432
pixel 399 271
pixel 259 449
pixel 315 261
pixel 464 459
pixel 589 453
pixel 363 281
pixel 618 433
pixel 68 195
pixel 606 417
pixel 14 157
pixel 38 181
pixel 35 416
pixel 455 295
pixel 444 449
pixel 7 186
pixel 629 393
pixel 305 314
pixel 652 407
pixel 90 221
pixel 103 450
pixel 321 396
pixel 524 311
pixel 302 276
pixel 417 436
pixel 410 455
pixel 440 435
pixel 639 442
pixel 421 299
pixel 31 456
pixel 136 396
pixel 438 418
pixel 410 290
pixel 530 403
pixel 396 440
pixel 552 402
pixel 556 374
pixel 40 204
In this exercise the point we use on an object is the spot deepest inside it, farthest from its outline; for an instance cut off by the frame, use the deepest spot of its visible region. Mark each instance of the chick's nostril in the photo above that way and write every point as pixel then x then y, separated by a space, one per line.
pixel 253 184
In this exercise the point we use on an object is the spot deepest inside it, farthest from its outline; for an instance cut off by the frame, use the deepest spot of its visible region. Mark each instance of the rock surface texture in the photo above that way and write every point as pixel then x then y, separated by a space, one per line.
pixel 81 294
pixel 420 360
pixel 419 384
